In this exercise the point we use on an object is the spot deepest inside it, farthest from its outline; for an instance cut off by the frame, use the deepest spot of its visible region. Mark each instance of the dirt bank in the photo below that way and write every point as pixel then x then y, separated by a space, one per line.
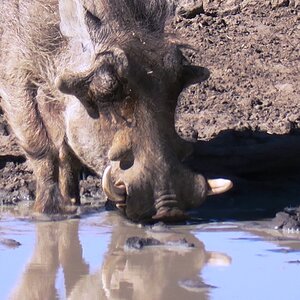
pixel 253 56
pixel 245 118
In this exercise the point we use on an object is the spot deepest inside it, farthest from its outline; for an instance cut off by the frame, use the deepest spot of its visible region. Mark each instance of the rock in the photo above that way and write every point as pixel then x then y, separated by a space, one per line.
pixel 247 3
pixel 10 243
pixel 279 3
pixel 211 5
pixel 295 3
pixel 190 9
pixel 137 243
pixel 294 262
pixel 195 285
pixel 289 219
pixel 180 243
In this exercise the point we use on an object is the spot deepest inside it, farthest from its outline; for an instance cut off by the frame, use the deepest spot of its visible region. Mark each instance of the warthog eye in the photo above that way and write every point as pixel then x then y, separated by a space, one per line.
pixel 105 85
pixel 103 82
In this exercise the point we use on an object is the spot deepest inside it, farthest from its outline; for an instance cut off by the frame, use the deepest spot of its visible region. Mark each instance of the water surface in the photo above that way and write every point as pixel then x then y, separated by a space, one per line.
pixel 89 258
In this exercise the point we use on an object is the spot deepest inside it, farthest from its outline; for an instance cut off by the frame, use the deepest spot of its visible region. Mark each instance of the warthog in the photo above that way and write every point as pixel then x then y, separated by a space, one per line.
pixel 87 81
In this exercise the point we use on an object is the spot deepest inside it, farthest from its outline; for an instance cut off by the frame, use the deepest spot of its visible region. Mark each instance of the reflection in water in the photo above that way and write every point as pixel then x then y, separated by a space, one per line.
pixel 57 244
pixel 154 272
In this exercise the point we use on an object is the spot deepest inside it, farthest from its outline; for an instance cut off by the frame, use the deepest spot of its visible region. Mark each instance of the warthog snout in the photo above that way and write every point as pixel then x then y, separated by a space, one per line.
pixel 140 200
pixel 158 187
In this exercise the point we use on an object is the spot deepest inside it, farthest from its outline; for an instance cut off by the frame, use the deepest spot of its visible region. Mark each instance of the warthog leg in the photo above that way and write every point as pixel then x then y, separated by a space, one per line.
pixel 48 198
pixel 55 173
pixel 69 167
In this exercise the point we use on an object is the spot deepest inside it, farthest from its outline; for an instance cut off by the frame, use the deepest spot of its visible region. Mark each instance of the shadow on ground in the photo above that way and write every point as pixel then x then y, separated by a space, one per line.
pixel 264 168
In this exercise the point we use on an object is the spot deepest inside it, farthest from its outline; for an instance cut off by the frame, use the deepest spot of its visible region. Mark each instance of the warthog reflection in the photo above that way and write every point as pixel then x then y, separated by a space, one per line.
pixel 154 272
pixel 57 244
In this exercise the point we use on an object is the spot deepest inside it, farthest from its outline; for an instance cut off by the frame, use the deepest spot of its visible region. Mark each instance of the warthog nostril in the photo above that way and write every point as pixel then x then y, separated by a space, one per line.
pixel 167 209
pixel 168 200
pixel 127 161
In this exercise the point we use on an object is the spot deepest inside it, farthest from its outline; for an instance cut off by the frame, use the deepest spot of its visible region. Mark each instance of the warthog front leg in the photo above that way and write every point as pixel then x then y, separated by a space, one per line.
pixel 55 171
pixel 48 197
pixel 69 167
pixel 57 181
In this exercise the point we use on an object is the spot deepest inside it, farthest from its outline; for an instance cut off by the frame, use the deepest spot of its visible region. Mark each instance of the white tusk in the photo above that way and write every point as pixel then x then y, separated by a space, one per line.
pixel 113 192
pixel 121 205
pixel 218 186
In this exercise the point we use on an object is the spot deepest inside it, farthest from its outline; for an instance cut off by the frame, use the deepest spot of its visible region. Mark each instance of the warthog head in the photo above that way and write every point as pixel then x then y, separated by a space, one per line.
pixel 128 75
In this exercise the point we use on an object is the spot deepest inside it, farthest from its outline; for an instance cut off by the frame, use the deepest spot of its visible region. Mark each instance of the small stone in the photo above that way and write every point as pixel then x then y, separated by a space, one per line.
pixel 195 285
pixel 10 243
pixel 295 3
pixel 279 3
pixel 191 10
pixel 137 243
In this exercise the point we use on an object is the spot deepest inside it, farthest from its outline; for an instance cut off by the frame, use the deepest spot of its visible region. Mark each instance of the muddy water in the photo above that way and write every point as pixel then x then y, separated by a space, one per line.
pixel 97 257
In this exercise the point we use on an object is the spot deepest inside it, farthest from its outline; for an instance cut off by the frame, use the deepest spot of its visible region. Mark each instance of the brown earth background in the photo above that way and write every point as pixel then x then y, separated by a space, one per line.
pixel 245 118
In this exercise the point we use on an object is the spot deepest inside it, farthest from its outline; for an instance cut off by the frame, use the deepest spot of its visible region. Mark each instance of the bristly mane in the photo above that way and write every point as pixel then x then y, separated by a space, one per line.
pixel 147 15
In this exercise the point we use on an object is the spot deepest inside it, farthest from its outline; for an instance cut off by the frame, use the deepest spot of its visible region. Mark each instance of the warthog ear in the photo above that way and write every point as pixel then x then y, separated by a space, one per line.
pixel 73 26
pixel 194 74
